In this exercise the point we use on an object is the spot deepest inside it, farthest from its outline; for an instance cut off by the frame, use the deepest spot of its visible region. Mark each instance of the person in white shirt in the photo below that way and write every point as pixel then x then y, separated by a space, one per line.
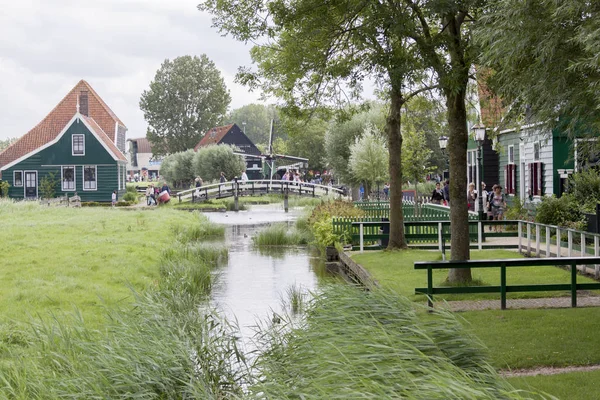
pixel 244 176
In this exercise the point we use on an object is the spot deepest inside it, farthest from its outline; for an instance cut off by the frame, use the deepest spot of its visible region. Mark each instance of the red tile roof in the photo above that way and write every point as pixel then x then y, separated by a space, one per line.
pixel 104 137
pixel 143 145
pixel 213 136
pixel 50 127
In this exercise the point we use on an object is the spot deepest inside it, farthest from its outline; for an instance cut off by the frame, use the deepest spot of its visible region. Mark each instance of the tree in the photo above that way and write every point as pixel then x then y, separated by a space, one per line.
pixel 549 71
pixel 6 142
pixel 317 52
pixel 340 135
pixel 211 160
pixel 255 121
pixel 306 139
pixel 178 168
pixel 369 158
pixel 186 98
pixel 48 186
pixel 416 162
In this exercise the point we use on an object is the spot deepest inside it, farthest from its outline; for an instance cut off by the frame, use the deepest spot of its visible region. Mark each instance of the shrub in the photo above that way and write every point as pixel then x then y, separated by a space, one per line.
pixel 336 208
pixel 516 210
pixel 130 187
pixel 563 211
pixel 4 189
pixel 584 187
pixel 48 185
pixel 130 196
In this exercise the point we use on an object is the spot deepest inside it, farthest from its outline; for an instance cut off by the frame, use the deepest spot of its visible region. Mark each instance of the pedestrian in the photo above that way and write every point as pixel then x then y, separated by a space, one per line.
pixel 437 196
pixel 114 198
pixel 484 195
pixel 361 192
pixel 198 181
pixel 165 188
pixel 244 176
pixel 386 190
pixel 471 197
pixel 149 195
pixel 447 192
pixel 498 205
pixel 222 178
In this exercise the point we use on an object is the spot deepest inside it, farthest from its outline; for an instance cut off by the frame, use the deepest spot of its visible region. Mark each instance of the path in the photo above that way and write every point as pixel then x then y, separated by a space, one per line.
pixel 547 371
pixel 545 302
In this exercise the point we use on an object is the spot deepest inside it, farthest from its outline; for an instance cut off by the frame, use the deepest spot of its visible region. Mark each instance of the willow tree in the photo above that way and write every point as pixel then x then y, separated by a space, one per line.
pixel 313 52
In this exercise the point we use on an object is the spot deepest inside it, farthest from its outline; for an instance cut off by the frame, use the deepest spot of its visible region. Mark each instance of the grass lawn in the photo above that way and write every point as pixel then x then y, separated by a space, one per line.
pixel 55 259
pixel 570 386
pixel 529 338
pixel 395 270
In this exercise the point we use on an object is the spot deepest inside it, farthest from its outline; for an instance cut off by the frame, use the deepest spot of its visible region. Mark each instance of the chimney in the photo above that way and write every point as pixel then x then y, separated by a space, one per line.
pixel 83 103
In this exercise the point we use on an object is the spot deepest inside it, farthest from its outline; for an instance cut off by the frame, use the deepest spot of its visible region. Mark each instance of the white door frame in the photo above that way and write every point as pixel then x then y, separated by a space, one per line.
pixel 25 183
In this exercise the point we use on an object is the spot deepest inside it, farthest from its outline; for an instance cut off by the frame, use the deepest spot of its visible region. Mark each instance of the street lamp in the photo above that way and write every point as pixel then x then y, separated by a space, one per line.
pixel 443 144
pixel 479 131
pixel 244 124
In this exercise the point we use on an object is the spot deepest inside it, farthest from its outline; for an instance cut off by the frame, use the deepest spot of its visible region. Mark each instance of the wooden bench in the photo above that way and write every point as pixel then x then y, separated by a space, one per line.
pixel 503 288
pixel 75 201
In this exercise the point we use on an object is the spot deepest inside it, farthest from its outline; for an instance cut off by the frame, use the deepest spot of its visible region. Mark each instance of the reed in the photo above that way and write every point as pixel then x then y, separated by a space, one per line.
pixel 356 344
pixel 281 235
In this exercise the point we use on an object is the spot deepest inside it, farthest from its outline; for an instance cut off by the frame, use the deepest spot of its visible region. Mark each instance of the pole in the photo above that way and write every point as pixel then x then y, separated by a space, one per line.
pixel 480 190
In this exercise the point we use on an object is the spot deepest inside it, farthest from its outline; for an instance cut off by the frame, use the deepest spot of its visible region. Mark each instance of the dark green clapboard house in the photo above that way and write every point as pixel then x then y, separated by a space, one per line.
pixel 81 141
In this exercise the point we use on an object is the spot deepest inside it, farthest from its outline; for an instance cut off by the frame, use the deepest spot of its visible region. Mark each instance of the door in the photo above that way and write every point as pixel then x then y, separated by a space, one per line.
pixel 31 188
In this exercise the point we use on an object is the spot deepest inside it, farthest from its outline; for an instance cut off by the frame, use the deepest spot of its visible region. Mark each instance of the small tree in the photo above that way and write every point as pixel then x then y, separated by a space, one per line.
pixel 4 186
pixel 178 168
pixel 416 159
pixel 369 158
pixel 211 160
pixel 48 186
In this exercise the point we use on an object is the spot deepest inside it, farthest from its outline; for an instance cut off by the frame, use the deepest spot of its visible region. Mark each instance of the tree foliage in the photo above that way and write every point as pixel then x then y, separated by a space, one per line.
pixel 211 160
pixel 416 160
pixel 544 60
pixel 48 186
pixel 178 168
pixel 340 135
pixel 186 98
pixel 306 139
pixel 369 158
pixel 4 143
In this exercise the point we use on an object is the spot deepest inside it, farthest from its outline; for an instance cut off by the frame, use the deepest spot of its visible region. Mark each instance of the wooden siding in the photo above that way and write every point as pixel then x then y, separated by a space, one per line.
pixel 563 158
pixel 60 154
pixel 236 137
pixel 505 140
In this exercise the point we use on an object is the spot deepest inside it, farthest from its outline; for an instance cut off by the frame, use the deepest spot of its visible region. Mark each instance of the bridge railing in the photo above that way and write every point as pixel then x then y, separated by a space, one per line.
pixel 257 187
pixel 410 210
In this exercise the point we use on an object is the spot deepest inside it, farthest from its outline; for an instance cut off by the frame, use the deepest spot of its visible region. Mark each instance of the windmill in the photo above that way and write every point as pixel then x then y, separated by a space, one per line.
pixel 270 157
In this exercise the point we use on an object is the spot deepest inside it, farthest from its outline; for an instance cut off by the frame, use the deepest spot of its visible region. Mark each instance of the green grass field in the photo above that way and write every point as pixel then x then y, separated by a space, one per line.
pixel 569 386
pixel 395 270
pixel 58 259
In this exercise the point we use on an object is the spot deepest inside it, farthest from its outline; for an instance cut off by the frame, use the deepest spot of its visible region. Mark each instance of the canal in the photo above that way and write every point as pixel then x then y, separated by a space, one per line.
pixel 254 284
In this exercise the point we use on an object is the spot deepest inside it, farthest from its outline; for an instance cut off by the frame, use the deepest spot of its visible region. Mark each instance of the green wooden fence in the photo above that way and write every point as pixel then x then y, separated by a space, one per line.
pixel 412 212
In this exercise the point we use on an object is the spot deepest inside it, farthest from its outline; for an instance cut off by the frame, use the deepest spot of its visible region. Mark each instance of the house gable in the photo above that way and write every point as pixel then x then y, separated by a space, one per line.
pixel 228 134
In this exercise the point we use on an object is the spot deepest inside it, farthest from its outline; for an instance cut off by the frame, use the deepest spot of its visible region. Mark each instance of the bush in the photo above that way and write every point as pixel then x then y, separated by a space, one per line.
pixel 4 189
pixel 584 187
pixel 516 210
pixel 130 187
pixel 336 208
pixel 563 211
pixel 130 196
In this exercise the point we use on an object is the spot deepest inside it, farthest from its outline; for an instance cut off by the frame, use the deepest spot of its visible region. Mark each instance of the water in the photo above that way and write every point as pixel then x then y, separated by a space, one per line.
pixel 253 285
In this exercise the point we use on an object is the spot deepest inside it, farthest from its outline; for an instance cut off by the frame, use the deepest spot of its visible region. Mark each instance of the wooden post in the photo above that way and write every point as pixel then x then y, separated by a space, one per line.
pixel 596 254
pixel 558 244
pixel 570 243
pixel 520 228
pixel 503 287
pixel 361 231
pixel 236 206
pixel 537 241
pixel 547 241
pixel 479 235
pixel 573 284
pixel 429 286
pixel 582 245
pixel 440 236
pixel 528 239
pixel 285 199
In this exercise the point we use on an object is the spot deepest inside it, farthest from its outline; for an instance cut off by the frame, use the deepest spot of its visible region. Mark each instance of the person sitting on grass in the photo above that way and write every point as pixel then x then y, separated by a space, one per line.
pixel 497 204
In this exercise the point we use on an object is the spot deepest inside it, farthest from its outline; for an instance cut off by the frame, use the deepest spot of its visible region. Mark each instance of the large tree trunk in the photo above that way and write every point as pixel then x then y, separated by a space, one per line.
pixel 457 151
pixel 397 239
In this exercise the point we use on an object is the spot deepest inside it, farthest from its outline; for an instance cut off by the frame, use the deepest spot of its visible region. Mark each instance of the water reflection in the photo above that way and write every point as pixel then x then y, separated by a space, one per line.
pixel 255 281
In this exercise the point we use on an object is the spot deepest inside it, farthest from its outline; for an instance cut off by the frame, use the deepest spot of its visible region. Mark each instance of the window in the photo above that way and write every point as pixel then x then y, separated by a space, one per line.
pixel 510 178
pixel 511 154
pixel 68 178
pixel 78 143
pixel 536 174
pixel 536 151
pixel 90 177
pixel 18 178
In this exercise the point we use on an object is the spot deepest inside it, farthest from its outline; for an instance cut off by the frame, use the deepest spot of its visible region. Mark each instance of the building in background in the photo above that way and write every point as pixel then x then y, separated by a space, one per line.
pixel 141 163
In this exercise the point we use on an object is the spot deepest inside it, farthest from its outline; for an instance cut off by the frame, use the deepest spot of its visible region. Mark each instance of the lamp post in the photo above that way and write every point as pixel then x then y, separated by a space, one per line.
pixel 479 131
pixel 244 125
pixel 443 144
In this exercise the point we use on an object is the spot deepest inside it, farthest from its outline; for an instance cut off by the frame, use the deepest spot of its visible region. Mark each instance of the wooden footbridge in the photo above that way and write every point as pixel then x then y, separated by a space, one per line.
pixel 237 189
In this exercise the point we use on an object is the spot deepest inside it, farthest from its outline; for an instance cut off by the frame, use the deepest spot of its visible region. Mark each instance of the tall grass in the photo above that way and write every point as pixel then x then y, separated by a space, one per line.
pixel 281 235
pixel 200 228
pixel 355 344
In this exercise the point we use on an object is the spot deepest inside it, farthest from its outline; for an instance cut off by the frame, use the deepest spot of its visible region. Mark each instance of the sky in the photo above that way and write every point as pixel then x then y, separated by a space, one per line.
pixel 47 46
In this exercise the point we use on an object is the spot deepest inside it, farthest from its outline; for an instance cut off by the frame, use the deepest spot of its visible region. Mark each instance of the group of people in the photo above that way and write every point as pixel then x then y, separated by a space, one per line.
pixel 494 202
pixel 153 194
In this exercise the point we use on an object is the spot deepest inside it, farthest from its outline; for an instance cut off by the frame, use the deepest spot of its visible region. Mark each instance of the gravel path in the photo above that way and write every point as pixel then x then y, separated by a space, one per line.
pixel 547 371
pixel 547 302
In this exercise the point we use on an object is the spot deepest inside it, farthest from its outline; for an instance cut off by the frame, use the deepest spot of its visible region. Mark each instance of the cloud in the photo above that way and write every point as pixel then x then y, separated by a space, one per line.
pixel 116 45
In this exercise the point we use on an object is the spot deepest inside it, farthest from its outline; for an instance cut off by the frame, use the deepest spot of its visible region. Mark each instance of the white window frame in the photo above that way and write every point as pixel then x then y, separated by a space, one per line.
pixel 539 155
pixel 62 178
pixel 511 161
pixel 73 147
pixel 15 179
pixel 83 177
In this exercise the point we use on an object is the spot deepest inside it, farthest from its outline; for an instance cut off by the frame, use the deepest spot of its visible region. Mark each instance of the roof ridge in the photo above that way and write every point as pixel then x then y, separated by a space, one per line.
pixel 102 103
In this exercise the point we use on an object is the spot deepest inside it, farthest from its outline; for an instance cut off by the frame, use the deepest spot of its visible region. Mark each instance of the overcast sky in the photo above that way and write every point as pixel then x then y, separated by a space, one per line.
pixel 47 46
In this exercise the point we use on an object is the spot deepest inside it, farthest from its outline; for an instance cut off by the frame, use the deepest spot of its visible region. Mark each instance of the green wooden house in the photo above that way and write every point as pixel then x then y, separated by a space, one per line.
pixel 81 141
pixel 535 162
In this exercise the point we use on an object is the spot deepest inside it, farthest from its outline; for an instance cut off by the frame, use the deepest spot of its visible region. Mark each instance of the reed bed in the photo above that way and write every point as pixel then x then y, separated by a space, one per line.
pixel 355 344
pixel 281 235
